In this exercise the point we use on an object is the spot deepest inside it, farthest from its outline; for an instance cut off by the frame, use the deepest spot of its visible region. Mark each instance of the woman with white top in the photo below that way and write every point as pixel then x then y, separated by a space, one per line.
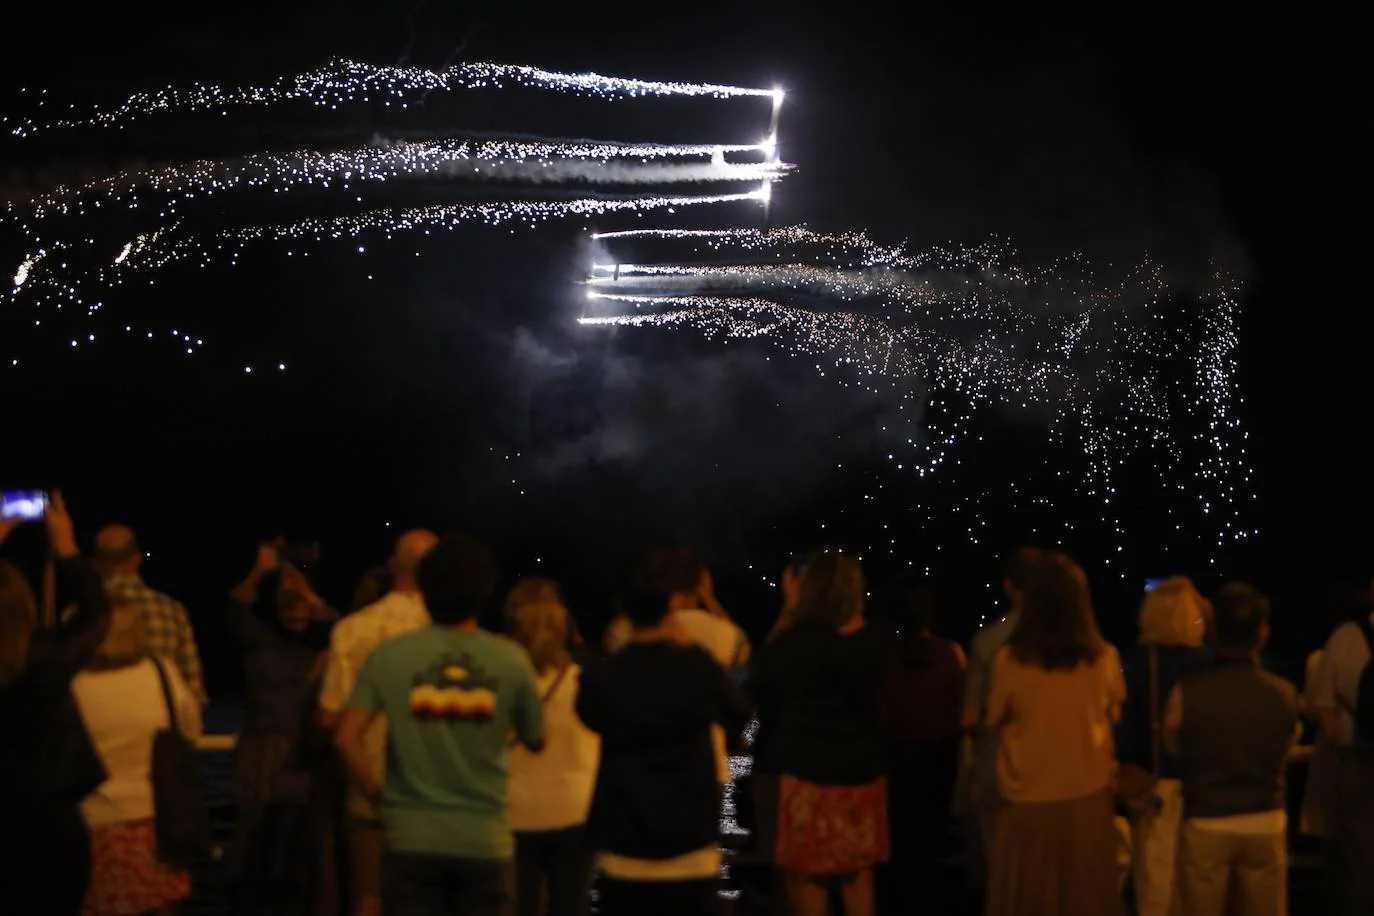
pixel 120 696
pixel 551 792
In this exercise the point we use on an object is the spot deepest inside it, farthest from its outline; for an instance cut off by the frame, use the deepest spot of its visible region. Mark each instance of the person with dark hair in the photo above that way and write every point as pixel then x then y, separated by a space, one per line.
pixel 49 762
pixel 922 699
pixel 283 628
pixel 1233 726
pixel 978 799
pixel 452 694
pixel 655 815
pixel 1056 691
pixel 820 681
pixel 699 617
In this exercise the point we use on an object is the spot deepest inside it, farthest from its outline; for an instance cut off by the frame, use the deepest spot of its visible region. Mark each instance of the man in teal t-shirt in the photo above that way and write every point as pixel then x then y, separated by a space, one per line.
pixel 451 694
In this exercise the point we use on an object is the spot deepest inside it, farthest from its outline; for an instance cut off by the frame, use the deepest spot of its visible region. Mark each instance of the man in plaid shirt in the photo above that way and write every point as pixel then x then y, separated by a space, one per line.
pixel 169 628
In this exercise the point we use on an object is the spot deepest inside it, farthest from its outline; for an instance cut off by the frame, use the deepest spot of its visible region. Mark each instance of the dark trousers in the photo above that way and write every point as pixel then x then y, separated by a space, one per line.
pixel 558 862
pixel 1350 839
pixel 45 859
pixel 419 884
pixel 659 898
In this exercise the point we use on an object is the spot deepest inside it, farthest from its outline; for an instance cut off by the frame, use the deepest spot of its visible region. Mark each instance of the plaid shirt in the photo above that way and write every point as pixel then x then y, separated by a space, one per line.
pixel 169 628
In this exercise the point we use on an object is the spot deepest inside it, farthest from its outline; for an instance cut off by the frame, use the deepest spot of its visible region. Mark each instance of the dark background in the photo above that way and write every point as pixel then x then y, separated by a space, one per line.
pixel 1194 136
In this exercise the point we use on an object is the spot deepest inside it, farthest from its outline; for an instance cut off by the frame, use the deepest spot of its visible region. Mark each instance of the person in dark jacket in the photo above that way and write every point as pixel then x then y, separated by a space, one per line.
pixel 1233 726
pixel 655 815
pixel 923 697
pixel 49 763
pixel 821 680
pixel 283 627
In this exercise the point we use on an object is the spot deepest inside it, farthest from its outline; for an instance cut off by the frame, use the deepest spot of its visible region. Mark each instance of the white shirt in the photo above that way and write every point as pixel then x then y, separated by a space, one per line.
pixel 727 644
pixel 1338 678
pixel 123 709
pixel 353 639
pixel 552 790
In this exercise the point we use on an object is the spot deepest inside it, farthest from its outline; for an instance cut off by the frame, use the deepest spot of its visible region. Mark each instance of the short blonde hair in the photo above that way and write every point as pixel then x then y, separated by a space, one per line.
pixel 1174 613
pixel 537 619
pixel 18 617
pixel 125 642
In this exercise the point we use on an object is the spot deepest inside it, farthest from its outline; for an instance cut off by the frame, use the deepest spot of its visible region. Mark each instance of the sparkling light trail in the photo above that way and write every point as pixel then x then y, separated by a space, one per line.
pixel 344 83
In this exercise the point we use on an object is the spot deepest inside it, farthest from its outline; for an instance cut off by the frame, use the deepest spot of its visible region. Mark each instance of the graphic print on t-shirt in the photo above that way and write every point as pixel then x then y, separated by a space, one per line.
pixel 454 688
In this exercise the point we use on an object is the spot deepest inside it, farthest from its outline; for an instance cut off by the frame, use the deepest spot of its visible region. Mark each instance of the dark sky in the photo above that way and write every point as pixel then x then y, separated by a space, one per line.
pixel 1195 138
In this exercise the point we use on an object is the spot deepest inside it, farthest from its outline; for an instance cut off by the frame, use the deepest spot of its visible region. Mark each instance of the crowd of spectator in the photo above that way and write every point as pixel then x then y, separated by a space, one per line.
pixel 401 759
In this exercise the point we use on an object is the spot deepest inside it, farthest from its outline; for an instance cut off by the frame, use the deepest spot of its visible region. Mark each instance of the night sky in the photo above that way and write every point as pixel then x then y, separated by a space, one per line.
pixel 418 370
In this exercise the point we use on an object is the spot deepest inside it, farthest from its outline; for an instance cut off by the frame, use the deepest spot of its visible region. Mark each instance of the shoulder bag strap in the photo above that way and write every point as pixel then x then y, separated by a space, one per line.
pixel 1155 712
pixel 548 695
pixel 167 696
pixel 553 688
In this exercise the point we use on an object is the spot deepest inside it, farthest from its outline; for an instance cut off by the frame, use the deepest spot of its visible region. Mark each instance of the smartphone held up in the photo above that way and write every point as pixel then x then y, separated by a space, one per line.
pixel 23 505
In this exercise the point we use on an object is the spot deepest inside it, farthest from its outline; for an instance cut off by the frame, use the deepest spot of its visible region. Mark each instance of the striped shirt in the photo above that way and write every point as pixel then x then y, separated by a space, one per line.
pixel 168 627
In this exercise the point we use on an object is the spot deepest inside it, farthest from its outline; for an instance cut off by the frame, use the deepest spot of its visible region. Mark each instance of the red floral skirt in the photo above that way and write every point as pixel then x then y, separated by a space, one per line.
pixel 126 876
pixel 831 830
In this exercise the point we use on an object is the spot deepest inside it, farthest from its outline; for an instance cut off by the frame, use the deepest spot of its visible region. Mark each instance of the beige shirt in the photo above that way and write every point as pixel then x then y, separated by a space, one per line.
pixel 1055 727
pixel 353 639
pixel 552 790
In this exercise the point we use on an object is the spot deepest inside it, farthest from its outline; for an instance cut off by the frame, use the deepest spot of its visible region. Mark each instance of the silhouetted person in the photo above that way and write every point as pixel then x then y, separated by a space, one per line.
pixel 1233 726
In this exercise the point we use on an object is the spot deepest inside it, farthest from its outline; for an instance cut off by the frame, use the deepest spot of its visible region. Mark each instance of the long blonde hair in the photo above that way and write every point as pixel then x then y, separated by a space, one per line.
pixel 1174 613
pixel 126 640
pixel 537 619
pixel 18 618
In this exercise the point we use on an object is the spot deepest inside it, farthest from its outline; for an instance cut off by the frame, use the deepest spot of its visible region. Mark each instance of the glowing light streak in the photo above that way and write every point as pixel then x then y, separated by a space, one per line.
pixel 350 82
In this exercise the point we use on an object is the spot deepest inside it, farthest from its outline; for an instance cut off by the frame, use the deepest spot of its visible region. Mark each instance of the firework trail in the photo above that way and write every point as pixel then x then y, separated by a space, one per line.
pixel 344 83
pixel 496 160
pixel 52 282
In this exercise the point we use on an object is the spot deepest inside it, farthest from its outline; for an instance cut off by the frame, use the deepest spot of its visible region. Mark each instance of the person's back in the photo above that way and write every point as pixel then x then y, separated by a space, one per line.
pixel 1237 727
pixel 923 691
pixel 49 762
pixel 724 641
pixel 451 694
pixel 168 626
pixel 827 686
pixel 653 704
pixel 123 710
pixel 1232 727
pixel 450 700
pixel 1056 741
pixel 552 789
pixel 1335 697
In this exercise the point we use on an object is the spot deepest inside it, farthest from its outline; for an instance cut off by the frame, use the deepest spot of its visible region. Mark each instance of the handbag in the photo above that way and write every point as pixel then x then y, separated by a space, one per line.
pixel 180 816
pixel 1135 785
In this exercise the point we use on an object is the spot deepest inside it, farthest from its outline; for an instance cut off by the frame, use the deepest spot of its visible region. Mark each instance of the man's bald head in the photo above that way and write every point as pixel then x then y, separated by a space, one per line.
pixel 116 549
pixel 411 548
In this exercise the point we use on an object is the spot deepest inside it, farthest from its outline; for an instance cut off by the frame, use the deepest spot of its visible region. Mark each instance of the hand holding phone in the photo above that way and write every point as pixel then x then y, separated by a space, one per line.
pixel 61 528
